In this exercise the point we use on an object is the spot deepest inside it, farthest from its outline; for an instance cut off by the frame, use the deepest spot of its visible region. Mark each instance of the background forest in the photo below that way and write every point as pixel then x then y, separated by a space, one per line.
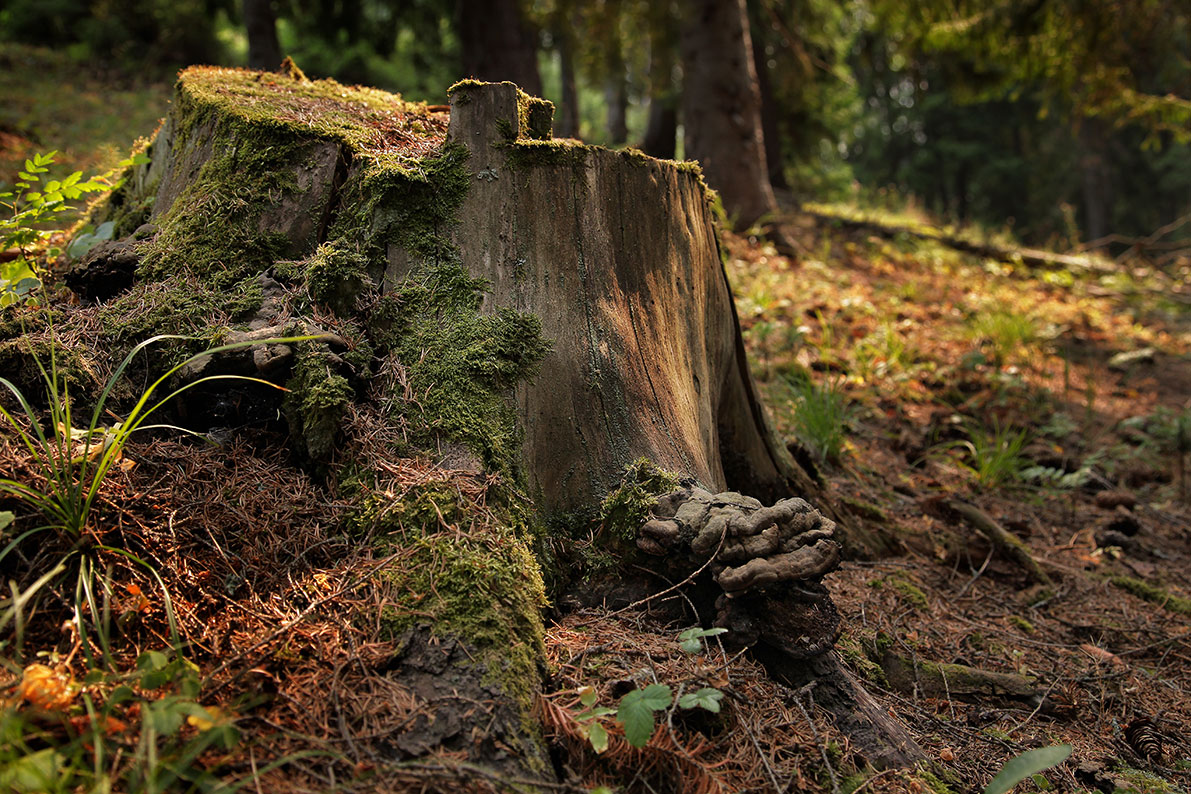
pixel 1060 120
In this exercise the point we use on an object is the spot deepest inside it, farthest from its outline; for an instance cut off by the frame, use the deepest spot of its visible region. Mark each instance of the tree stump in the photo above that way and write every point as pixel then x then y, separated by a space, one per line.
pixel 526 311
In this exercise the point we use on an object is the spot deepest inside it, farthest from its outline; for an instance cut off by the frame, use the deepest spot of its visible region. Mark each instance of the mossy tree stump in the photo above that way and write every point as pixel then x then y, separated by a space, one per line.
pixel 532 311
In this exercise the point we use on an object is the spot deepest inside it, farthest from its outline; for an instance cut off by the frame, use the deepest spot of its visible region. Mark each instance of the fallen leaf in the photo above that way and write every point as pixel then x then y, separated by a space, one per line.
pixel 47 688
pixel 1101 655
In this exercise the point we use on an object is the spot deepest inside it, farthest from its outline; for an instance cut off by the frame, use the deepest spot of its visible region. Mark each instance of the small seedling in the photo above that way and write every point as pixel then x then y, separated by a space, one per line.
pixel 691 640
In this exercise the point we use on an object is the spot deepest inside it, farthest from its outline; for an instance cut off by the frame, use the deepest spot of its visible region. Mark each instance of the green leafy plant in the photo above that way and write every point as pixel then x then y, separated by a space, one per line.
pixel 34 208
pixel 1061 479
pixel 691 640
pixel 139 731
pixel 635 711
pixel 994 456
pixel 1026 765
pixel 70 466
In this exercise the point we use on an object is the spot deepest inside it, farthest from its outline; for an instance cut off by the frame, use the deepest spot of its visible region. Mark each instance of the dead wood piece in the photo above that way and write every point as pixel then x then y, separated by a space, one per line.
pixel 934 680
pixel 1002 539
pixel 876 736
pixel 107 270
pixel 1029 256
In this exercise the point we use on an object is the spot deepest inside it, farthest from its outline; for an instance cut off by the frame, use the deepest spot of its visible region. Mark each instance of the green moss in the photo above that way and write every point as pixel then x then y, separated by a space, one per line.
pixel 934 782
pixel 852 649
pixel 476 580
pixel 317 400
pixel 1022 624
pixel 628 506
pixel 526 153
pixel 389 516
pixel 181 305
pixel 336 275
pixel 411 203
pixel 1136 781
pixel 462 87
pixel 213 228
pixel 264 128
pixel 358 117
pixel 909 591
pixel 1156 595
pixel 866 510
pixel 127 208
pixel 535 116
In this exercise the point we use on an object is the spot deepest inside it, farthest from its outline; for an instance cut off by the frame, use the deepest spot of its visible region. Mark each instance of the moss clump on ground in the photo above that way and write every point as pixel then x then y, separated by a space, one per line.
pixel 909 591
pixel 464 566
pixel 1153 594
pixel 852 650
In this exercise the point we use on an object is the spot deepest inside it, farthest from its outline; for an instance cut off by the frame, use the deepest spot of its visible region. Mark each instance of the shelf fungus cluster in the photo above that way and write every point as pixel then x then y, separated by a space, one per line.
pixel 768 561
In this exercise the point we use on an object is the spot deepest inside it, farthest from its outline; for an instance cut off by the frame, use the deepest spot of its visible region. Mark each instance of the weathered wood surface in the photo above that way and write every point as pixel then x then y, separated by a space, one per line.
pixel 617 254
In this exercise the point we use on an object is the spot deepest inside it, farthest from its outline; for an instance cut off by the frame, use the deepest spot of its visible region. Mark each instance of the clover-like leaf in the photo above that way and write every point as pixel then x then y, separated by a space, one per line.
pixel 705 698
pixel 636 712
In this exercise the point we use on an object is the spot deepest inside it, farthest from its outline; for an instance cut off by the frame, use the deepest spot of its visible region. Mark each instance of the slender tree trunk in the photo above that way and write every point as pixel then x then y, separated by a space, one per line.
pixel 661 134
pixel 617 98
pixel 261 26
pixel 568 113
pixel 769 119
pixel 661 131
pixel 1097 182
pixel 498 43
pixel 722 108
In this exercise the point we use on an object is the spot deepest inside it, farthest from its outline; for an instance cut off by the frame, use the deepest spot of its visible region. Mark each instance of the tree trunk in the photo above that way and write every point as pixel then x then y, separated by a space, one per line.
pixel 722 108
pixel 774 165
pixel 533 314
pixel 1096 178
pixel 661 130
pixel 497 43
pixel 568 123
pixel 261 26
pixel 616 97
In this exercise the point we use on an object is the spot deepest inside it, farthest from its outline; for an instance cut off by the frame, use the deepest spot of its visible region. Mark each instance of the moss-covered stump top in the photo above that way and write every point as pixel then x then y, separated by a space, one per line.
pixel 360 118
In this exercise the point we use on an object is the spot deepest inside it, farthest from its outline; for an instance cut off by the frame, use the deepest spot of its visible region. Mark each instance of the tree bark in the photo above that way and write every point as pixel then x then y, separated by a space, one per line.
pixel 497 43
pixel 261 26
pixel 722 108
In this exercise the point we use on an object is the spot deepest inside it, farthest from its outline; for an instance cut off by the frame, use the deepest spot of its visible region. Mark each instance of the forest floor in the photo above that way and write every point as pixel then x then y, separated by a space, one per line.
pixel 933 377
pixel 917 381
